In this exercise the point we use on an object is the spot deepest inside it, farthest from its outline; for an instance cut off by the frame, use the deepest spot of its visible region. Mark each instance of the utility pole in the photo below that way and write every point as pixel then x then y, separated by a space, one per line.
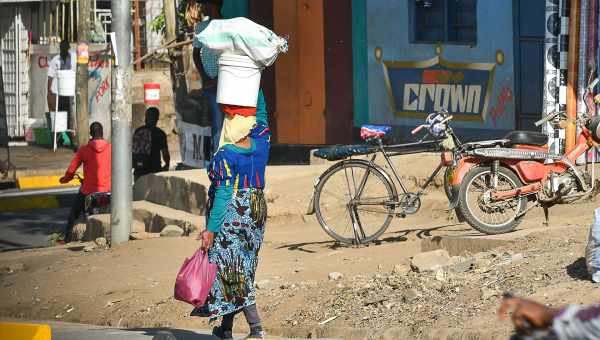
pixel 83 37
pixel 120 208
pixel 170 19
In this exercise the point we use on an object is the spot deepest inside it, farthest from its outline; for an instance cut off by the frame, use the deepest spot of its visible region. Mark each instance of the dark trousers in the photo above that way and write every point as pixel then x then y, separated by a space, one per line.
pixel 76 210
pixel 251 314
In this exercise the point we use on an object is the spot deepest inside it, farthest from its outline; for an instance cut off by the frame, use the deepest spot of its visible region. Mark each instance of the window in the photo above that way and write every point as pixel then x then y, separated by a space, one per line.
pixel 446 21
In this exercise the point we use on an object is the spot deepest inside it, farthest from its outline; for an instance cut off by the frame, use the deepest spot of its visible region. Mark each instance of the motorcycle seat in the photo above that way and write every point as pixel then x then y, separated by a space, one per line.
pixel 526 138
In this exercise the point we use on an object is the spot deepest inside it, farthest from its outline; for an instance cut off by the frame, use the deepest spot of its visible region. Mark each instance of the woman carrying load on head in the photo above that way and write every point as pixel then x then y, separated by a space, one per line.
pixel 236 217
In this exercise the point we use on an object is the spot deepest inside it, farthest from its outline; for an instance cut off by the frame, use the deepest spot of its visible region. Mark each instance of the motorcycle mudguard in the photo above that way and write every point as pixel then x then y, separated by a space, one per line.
pixel 461 169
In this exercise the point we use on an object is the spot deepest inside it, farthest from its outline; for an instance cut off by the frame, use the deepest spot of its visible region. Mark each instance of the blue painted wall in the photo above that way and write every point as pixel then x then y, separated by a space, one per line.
pixel 387 27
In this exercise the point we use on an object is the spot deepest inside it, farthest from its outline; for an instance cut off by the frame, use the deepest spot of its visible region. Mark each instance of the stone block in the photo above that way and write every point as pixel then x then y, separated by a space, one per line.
pixel 97 226
pixel 156 217
pixel 430 261
pixel 175 192
pixel 171 231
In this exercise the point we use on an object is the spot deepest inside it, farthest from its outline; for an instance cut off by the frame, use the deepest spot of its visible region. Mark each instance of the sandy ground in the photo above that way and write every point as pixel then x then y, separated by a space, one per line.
pixel 132 285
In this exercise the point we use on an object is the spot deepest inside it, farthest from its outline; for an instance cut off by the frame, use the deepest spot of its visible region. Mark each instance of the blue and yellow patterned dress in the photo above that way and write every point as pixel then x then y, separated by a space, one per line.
pixel 237 216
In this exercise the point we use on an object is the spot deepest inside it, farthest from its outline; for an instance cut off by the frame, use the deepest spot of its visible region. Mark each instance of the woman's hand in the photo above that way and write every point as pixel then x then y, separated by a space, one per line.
pixel 527 315
pixel 207 237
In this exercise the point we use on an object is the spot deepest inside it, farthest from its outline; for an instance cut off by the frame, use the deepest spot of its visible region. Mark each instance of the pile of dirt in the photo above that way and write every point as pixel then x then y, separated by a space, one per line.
pixel 468 289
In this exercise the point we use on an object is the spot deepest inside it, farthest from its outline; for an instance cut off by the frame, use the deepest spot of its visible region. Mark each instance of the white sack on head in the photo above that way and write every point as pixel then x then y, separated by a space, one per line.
pixel 242 35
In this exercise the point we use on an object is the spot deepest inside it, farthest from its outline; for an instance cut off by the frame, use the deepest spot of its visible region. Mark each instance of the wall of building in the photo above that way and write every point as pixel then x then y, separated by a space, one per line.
pixel 14 44
pixel 99 83
pixel 386 26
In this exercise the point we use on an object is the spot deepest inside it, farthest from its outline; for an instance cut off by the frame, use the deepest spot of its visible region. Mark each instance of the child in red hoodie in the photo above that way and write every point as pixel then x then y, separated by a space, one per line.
pixel 96 159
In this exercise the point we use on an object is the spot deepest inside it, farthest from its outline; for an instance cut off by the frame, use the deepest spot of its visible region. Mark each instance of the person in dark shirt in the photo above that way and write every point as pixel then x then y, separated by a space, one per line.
pixel 149 143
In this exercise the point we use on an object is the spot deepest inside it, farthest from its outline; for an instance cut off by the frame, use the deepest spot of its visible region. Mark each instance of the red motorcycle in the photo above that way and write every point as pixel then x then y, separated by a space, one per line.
pixel 493 185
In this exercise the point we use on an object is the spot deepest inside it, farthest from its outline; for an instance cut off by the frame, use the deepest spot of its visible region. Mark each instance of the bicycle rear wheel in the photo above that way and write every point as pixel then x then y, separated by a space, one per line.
pixel 355 201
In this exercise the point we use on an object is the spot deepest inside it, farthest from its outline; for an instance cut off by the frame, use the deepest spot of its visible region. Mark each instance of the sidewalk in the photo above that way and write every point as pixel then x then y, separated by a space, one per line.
pixel 74 331
pixel 35 160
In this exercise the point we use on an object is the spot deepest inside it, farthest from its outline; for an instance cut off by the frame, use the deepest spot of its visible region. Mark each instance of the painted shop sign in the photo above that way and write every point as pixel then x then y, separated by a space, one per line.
pixel 419 88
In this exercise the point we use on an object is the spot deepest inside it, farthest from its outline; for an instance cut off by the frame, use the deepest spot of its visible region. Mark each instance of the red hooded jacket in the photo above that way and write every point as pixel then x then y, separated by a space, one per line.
pixel 96 160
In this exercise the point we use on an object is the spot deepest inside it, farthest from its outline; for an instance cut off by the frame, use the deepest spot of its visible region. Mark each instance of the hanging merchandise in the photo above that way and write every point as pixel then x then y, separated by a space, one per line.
pixel 563 50
pixel 550 93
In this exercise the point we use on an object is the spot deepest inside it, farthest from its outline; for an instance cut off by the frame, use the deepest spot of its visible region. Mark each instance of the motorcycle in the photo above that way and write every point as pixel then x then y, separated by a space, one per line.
pixel 492 184
pixel 96 202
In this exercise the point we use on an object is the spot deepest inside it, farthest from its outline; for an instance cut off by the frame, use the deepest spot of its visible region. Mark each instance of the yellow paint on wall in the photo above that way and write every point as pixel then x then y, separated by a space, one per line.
pixel 38 182
pixel 24 331
pixel 28 203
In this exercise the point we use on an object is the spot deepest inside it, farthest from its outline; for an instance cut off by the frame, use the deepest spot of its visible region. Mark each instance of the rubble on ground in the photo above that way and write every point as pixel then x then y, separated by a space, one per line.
pixel 434 285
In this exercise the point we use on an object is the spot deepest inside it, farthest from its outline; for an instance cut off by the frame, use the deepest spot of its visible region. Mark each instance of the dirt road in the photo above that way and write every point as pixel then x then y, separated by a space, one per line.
pixel 132 285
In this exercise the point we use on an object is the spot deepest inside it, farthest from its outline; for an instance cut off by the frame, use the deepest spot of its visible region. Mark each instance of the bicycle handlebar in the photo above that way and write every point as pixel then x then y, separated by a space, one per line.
pixel 418 128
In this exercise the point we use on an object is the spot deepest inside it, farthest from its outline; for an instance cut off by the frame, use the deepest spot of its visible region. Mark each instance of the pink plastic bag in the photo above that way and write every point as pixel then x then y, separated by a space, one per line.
pixel 195 279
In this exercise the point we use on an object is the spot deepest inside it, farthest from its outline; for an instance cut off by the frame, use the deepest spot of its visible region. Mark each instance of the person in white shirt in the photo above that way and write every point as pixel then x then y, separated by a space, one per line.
pixel 65 60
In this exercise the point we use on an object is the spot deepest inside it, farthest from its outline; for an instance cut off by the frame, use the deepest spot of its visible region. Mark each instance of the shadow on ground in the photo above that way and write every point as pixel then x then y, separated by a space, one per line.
pixel 30 229
pixel 578 270
pixel 392 237
pixel 173 334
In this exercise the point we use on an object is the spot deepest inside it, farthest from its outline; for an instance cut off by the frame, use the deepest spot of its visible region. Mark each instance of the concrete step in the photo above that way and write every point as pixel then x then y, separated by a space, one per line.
pixel 149 219
pixel 180 190
pixel 155 217
pixel 99 226
pixel 289 188
pixel 474 242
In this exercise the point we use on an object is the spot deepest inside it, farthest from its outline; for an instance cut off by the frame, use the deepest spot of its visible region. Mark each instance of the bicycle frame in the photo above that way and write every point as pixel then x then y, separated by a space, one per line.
pixel 389 151
pixel 398 195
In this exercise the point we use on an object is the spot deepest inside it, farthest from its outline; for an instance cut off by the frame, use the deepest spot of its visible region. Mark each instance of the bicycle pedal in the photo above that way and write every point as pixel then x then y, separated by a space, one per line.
pixel 401 215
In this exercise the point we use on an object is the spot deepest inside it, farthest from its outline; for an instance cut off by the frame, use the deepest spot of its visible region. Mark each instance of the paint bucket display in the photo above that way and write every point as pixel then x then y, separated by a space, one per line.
pixel 151 93
pixel 239 80
pixel 66 83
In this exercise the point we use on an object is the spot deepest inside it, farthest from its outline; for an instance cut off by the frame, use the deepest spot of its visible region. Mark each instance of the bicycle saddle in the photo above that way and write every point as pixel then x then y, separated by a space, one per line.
pixel 369 132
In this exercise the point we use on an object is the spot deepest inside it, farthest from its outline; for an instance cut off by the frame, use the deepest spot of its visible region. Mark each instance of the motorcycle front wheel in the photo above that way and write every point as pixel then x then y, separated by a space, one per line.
pixel 480 211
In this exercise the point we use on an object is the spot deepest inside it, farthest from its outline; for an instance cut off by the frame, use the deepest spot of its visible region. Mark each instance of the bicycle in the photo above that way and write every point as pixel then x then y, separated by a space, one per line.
pixel 369 196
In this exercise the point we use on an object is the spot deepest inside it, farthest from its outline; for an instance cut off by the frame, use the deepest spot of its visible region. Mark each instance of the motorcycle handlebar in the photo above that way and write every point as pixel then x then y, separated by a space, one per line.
pixel 546 119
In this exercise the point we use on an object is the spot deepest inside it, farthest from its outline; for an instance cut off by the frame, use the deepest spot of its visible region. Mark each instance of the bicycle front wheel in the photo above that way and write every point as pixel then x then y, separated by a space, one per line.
pixel 355 201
